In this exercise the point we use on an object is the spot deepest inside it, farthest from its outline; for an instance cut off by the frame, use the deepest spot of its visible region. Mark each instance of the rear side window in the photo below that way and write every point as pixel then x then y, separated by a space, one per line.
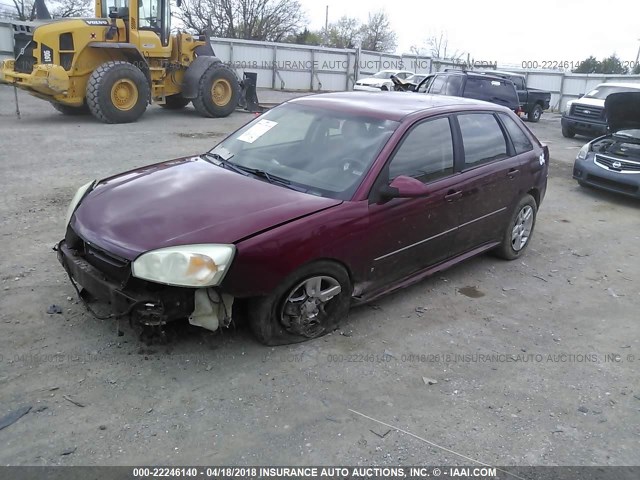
pixel 482 138
pixel 426 153
pixel 520 141
pixel 438 84
pixel 491 90
pixel 519 83
pixel 454 85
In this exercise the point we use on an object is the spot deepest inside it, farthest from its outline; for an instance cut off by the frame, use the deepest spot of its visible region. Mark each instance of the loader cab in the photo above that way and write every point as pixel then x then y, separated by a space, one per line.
pixel 147 23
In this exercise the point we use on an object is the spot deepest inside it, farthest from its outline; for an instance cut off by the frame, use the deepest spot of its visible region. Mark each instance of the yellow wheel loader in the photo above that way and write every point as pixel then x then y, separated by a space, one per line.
pixel 114 65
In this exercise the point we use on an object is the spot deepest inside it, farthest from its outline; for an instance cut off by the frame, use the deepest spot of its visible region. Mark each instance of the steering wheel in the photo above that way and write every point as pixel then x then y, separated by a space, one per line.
pixel 353 166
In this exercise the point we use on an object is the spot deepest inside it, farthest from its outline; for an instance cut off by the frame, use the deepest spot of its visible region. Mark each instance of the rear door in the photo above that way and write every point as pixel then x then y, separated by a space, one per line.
pixel 409 234
pixel 490 180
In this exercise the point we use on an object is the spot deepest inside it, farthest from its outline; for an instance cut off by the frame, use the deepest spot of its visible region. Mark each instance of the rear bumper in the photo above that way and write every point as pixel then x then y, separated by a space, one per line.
pixel 584 127
pixel 152 304
pixel 45 79
pixel 587 172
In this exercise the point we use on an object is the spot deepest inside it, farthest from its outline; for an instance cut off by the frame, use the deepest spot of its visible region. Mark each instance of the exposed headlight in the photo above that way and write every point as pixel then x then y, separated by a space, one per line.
pixel 75 201
pixel 186 265
pixel 567 109
pixel 582 154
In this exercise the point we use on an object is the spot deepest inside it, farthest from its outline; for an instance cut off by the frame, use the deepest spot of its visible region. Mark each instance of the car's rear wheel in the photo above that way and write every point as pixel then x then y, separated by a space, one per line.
pixel 568 132
pixel 519 230
pixel 535 114
pixel 308 304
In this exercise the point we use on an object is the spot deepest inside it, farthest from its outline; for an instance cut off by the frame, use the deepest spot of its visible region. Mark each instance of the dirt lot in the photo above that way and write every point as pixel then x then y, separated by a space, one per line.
pixel 520 359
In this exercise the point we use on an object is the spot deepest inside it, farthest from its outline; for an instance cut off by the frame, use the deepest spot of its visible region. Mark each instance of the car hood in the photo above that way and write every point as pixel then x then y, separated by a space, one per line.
pixel 622 111
pixel 592 102
pixel 185 201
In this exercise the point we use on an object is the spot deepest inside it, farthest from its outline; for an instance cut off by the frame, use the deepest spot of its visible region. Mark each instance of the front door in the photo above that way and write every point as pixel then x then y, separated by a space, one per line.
pixel 413 233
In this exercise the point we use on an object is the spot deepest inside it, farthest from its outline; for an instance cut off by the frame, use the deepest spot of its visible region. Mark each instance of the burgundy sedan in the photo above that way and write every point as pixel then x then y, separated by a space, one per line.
pixel 322 202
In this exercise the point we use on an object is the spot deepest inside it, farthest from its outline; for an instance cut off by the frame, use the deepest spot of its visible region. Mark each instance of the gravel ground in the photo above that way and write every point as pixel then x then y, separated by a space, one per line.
pixel 532 362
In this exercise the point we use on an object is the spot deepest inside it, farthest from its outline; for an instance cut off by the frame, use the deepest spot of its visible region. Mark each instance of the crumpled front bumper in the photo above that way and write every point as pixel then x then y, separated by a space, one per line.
pixel 153 304
pixel 45 79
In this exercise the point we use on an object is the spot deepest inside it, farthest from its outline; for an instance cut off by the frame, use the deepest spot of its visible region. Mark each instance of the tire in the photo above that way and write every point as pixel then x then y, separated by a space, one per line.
pixel 524 220
pixel 218 92
pixel 273 326
pixel 535 114
pixel 176 102
pixel 567 132
pixel 117 92
pixel 70 110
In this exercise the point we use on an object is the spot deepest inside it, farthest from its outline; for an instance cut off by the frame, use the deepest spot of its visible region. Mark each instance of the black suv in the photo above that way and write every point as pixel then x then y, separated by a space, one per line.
pixel 489 88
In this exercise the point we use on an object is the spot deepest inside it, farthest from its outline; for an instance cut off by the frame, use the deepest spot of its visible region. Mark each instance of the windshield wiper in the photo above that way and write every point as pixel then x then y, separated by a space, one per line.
pixel 242 170
pixel 267 176
pixel 225 162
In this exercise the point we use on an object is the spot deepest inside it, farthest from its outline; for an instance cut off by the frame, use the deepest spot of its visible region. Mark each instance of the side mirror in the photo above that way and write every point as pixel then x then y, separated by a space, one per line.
pixel 404 187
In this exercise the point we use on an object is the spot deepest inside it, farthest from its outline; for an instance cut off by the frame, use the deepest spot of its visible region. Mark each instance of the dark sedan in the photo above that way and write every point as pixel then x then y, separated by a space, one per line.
pixel 612 162
pixel 324 201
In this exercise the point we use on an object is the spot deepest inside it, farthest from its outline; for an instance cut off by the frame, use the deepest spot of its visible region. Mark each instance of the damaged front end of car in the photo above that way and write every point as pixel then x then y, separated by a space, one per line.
pixel 149 306
pixel 153 289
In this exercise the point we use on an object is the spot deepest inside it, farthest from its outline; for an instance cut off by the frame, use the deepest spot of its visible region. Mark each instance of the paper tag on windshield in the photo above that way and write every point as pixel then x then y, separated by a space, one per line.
pixel 255 132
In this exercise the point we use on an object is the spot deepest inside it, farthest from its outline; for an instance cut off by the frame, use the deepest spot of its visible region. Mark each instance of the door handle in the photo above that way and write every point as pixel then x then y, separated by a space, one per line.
pixel 453 195
pixel 513 173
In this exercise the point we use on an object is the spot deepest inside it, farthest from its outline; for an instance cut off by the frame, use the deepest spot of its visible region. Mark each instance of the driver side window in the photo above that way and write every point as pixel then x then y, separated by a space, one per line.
pixel 426 152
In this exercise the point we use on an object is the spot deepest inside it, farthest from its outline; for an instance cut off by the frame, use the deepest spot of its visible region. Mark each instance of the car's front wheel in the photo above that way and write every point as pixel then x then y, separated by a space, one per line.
pixel 519 230
pixel 308 304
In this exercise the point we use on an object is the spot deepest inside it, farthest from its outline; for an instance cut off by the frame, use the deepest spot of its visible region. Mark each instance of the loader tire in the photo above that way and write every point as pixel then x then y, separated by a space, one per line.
pixel 218 92
pixel 69 110
pixel 175 102
pixel 117 92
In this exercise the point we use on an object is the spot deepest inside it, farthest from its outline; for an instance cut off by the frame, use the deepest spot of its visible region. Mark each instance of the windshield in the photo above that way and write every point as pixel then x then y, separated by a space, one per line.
pixel 322 152
pixel 416 78
pixel 601 92
pixel 385 74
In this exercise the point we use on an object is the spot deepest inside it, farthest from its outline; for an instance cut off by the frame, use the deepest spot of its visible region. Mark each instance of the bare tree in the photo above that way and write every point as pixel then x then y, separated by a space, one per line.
pixel 26 10
pixel 376 35
pixel 72 8
pixel 440 48
pixel 271 20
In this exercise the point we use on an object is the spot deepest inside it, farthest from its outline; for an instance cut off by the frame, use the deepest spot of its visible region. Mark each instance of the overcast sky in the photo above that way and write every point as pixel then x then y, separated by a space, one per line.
pixel 501 30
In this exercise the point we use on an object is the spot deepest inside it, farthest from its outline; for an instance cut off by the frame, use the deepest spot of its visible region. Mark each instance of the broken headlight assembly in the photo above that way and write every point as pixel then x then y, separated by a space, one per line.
pixel 584 151
pixel 185 265
pixel 77 198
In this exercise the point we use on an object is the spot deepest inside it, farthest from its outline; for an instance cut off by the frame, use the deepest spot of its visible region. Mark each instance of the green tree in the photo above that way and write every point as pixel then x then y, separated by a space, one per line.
pixel 589 65
pixel 343 34
pixel 305 37
pixel 613 65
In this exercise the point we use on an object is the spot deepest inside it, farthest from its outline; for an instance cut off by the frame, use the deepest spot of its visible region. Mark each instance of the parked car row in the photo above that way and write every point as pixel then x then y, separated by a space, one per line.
pixel 503 88
pixel 322 202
